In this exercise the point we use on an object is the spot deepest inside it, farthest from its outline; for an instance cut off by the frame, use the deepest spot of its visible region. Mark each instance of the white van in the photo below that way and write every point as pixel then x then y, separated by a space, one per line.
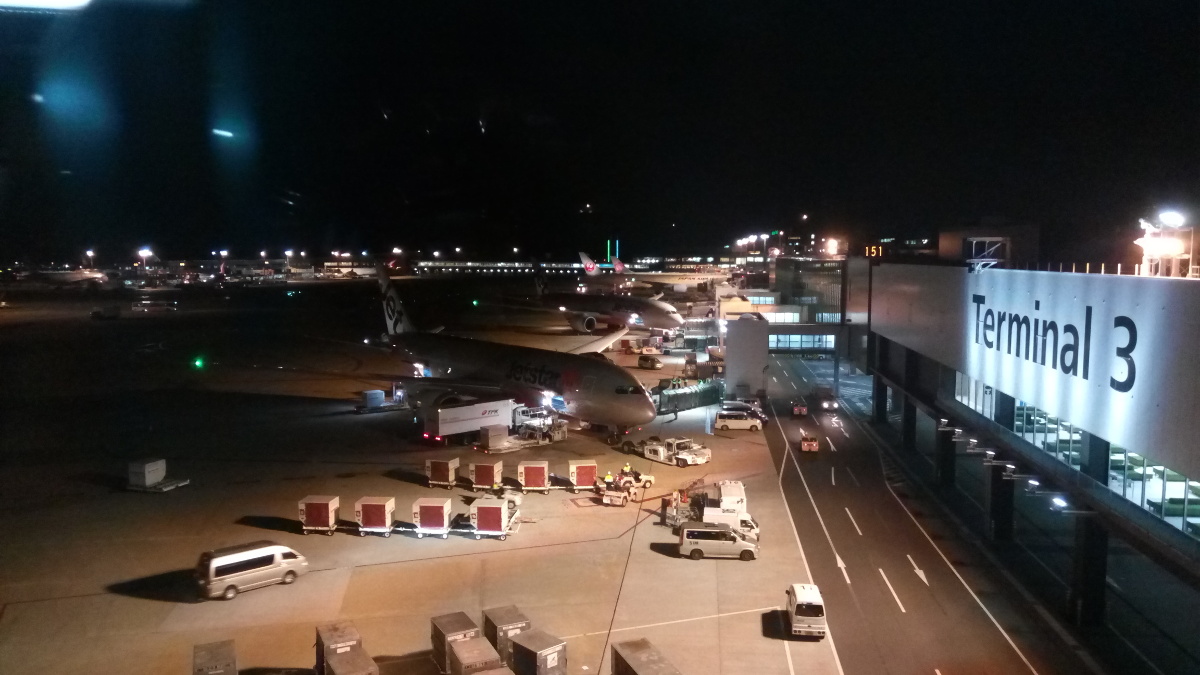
pixel 697 540
pixel 731 495
pixel 225 572
pixel 735 419
pixel 806 610
pixel 739 520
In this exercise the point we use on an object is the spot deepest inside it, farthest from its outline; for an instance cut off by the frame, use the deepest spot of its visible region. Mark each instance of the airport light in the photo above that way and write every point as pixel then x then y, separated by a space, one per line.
pixel 198 362
pixel 457 249
pixel 303 254
pixel 224 253
pixel 515 249
pixel 262 253
pixel 437 254
pixel 397 250
pixel 222 133
pixel 288 253
pixel 334 253
pixel 1172 219
pixel 1059 502
pixel 364 254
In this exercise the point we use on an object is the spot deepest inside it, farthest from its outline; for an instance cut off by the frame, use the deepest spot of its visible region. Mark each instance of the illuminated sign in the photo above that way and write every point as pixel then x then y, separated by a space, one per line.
pixel 1110 354
pixel 875 251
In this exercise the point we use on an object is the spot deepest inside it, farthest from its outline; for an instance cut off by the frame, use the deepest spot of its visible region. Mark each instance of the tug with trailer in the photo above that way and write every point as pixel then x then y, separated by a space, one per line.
pixel 681 452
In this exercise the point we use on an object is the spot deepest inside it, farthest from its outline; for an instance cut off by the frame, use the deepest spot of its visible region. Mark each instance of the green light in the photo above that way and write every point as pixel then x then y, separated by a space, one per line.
pixel 474 303
pixel 199 362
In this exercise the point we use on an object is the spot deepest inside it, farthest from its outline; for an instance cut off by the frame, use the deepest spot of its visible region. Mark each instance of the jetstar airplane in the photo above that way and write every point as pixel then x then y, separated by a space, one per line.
pixel 581 384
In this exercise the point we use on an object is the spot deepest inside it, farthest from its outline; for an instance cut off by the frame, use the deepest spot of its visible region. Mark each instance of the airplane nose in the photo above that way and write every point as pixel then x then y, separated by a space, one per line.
pixel 648 410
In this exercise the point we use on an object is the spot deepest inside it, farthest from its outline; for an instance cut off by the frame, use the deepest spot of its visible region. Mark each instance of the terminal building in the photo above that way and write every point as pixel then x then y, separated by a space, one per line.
pixel 1056 413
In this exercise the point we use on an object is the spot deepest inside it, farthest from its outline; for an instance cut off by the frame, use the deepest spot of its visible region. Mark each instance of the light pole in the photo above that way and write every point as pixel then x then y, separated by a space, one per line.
pixel 287 261
pixel 143 254
pixel 90 257
pixel 1161 254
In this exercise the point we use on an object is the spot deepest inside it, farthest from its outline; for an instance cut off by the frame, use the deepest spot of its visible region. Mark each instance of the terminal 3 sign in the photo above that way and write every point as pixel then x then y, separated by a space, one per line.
pixel 1114 355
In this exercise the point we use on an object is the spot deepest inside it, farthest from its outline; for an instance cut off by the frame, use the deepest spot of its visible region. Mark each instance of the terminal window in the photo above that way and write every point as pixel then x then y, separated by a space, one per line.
pixel 800 342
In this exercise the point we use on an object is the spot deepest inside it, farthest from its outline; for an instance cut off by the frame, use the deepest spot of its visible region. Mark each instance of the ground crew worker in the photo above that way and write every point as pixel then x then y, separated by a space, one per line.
pixel 608 481
pixel 627 468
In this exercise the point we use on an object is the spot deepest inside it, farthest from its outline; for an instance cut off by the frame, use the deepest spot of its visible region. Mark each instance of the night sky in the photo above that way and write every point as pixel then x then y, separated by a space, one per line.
pixel 491 124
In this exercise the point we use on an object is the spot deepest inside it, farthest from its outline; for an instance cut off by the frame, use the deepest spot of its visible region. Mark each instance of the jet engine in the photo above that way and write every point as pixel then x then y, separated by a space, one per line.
pixel 582 323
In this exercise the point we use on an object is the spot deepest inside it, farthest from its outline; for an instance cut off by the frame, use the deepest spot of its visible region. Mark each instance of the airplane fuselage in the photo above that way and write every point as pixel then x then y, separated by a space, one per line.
pixel 586 387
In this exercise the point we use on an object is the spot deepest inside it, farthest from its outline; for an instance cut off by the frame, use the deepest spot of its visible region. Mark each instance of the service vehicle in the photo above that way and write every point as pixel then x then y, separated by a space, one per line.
pixel 738 520
pixel 806 610
pixel 155 306
pixel 799 408
pixel 462 421
pixel 629 479
pixel 825 397
pixel 735 419
pixel 106 312
pixel 225 572
pixel 750 409
pixel 809 444
pixel 718 540
pixel 646 362
pixel 678 451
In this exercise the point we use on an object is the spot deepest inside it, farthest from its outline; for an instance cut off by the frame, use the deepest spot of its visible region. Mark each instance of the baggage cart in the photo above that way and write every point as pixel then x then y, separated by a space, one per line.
pixel 536 652
pixel 375 514
pixel 431 515
pixel 582 474
pixel 442 472
pixel 319 513
pixel 639 657
pixel 446 629
pixel 492 517
pixel 615 497
pixel 150 475
pixel 485 475
pixel 534 476
pixel 500 624
pixel 472 655
pixel 214 658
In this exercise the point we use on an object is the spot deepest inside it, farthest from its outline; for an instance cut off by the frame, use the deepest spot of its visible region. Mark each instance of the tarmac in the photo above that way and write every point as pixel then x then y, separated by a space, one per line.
pixel 97 579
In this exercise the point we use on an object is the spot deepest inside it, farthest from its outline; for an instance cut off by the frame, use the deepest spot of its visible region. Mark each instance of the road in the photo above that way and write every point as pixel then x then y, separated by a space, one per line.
pixel 904 593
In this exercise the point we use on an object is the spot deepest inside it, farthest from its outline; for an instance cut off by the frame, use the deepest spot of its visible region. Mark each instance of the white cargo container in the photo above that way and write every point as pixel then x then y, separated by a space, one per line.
pixel 374 514
pixel 431 515
pixel 319 513
pixel 468 417
pixel 485 475
pixel 372 398
pixel 147 472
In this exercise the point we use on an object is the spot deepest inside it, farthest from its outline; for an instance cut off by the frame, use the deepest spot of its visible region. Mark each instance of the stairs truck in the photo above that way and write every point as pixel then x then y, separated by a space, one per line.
pixel 681 452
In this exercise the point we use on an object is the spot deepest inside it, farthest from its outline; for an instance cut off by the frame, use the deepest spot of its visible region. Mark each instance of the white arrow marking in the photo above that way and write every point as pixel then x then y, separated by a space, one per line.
pixel 918 570
pixel 775 378
pixel 830 444
pixel 854 522
pixel 842 566
pixel 794 386
pixel 889 585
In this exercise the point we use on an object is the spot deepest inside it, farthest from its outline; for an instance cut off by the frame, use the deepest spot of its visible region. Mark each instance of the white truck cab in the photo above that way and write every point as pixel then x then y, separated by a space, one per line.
pixel 805 610
pixel 738 520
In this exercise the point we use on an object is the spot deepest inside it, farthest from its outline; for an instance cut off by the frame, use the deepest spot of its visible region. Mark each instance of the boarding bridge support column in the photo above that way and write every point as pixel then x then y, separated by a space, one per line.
pixel 1094 457
pixel 1086 598
pixel 944 459
pixel 1005 413
pixel 879 400
pixel 908 425
pixel 1000 503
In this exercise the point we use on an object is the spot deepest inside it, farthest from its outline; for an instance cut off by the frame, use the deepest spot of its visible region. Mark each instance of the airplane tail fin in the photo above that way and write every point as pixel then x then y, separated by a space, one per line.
pixel 618 266
pixel 393 308
pixel 589 265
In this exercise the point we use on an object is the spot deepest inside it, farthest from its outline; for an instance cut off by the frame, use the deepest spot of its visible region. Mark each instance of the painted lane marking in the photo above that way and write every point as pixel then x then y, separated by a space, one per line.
pixel 832 480
pixel 853 522
pixel 840 563
pixel 787 450
pixel 775 378
pixel 853 477
pixel 918 570
pixel 794 386
pixel 889 585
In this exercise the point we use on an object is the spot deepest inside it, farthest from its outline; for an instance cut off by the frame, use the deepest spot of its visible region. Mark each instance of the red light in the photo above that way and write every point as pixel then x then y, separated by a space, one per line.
pixel 437 438
pixel 425 435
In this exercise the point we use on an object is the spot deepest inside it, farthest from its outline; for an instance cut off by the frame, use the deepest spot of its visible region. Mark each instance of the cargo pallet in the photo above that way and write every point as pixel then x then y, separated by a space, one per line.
pixel 160 486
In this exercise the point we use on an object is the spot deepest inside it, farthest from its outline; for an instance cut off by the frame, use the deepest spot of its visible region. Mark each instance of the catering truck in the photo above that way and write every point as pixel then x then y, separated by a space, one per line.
pixel 726 505
pixel 462 421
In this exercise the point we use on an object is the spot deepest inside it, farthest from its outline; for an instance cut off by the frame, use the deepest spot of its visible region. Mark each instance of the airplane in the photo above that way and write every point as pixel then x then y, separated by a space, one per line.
pixel 585 311
pixel 622 275
pixel 60 278
pixel 582 383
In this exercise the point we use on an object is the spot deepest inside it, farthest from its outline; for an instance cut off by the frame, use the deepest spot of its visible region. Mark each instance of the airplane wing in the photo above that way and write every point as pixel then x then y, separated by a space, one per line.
pixel 600 344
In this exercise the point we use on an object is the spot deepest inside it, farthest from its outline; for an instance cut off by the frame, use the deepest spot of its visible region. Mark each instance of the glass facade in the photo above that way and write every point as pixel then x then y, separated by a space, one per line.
pixel 781 317
pixel 760 299
pixel 800 342
pixel 1167 494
